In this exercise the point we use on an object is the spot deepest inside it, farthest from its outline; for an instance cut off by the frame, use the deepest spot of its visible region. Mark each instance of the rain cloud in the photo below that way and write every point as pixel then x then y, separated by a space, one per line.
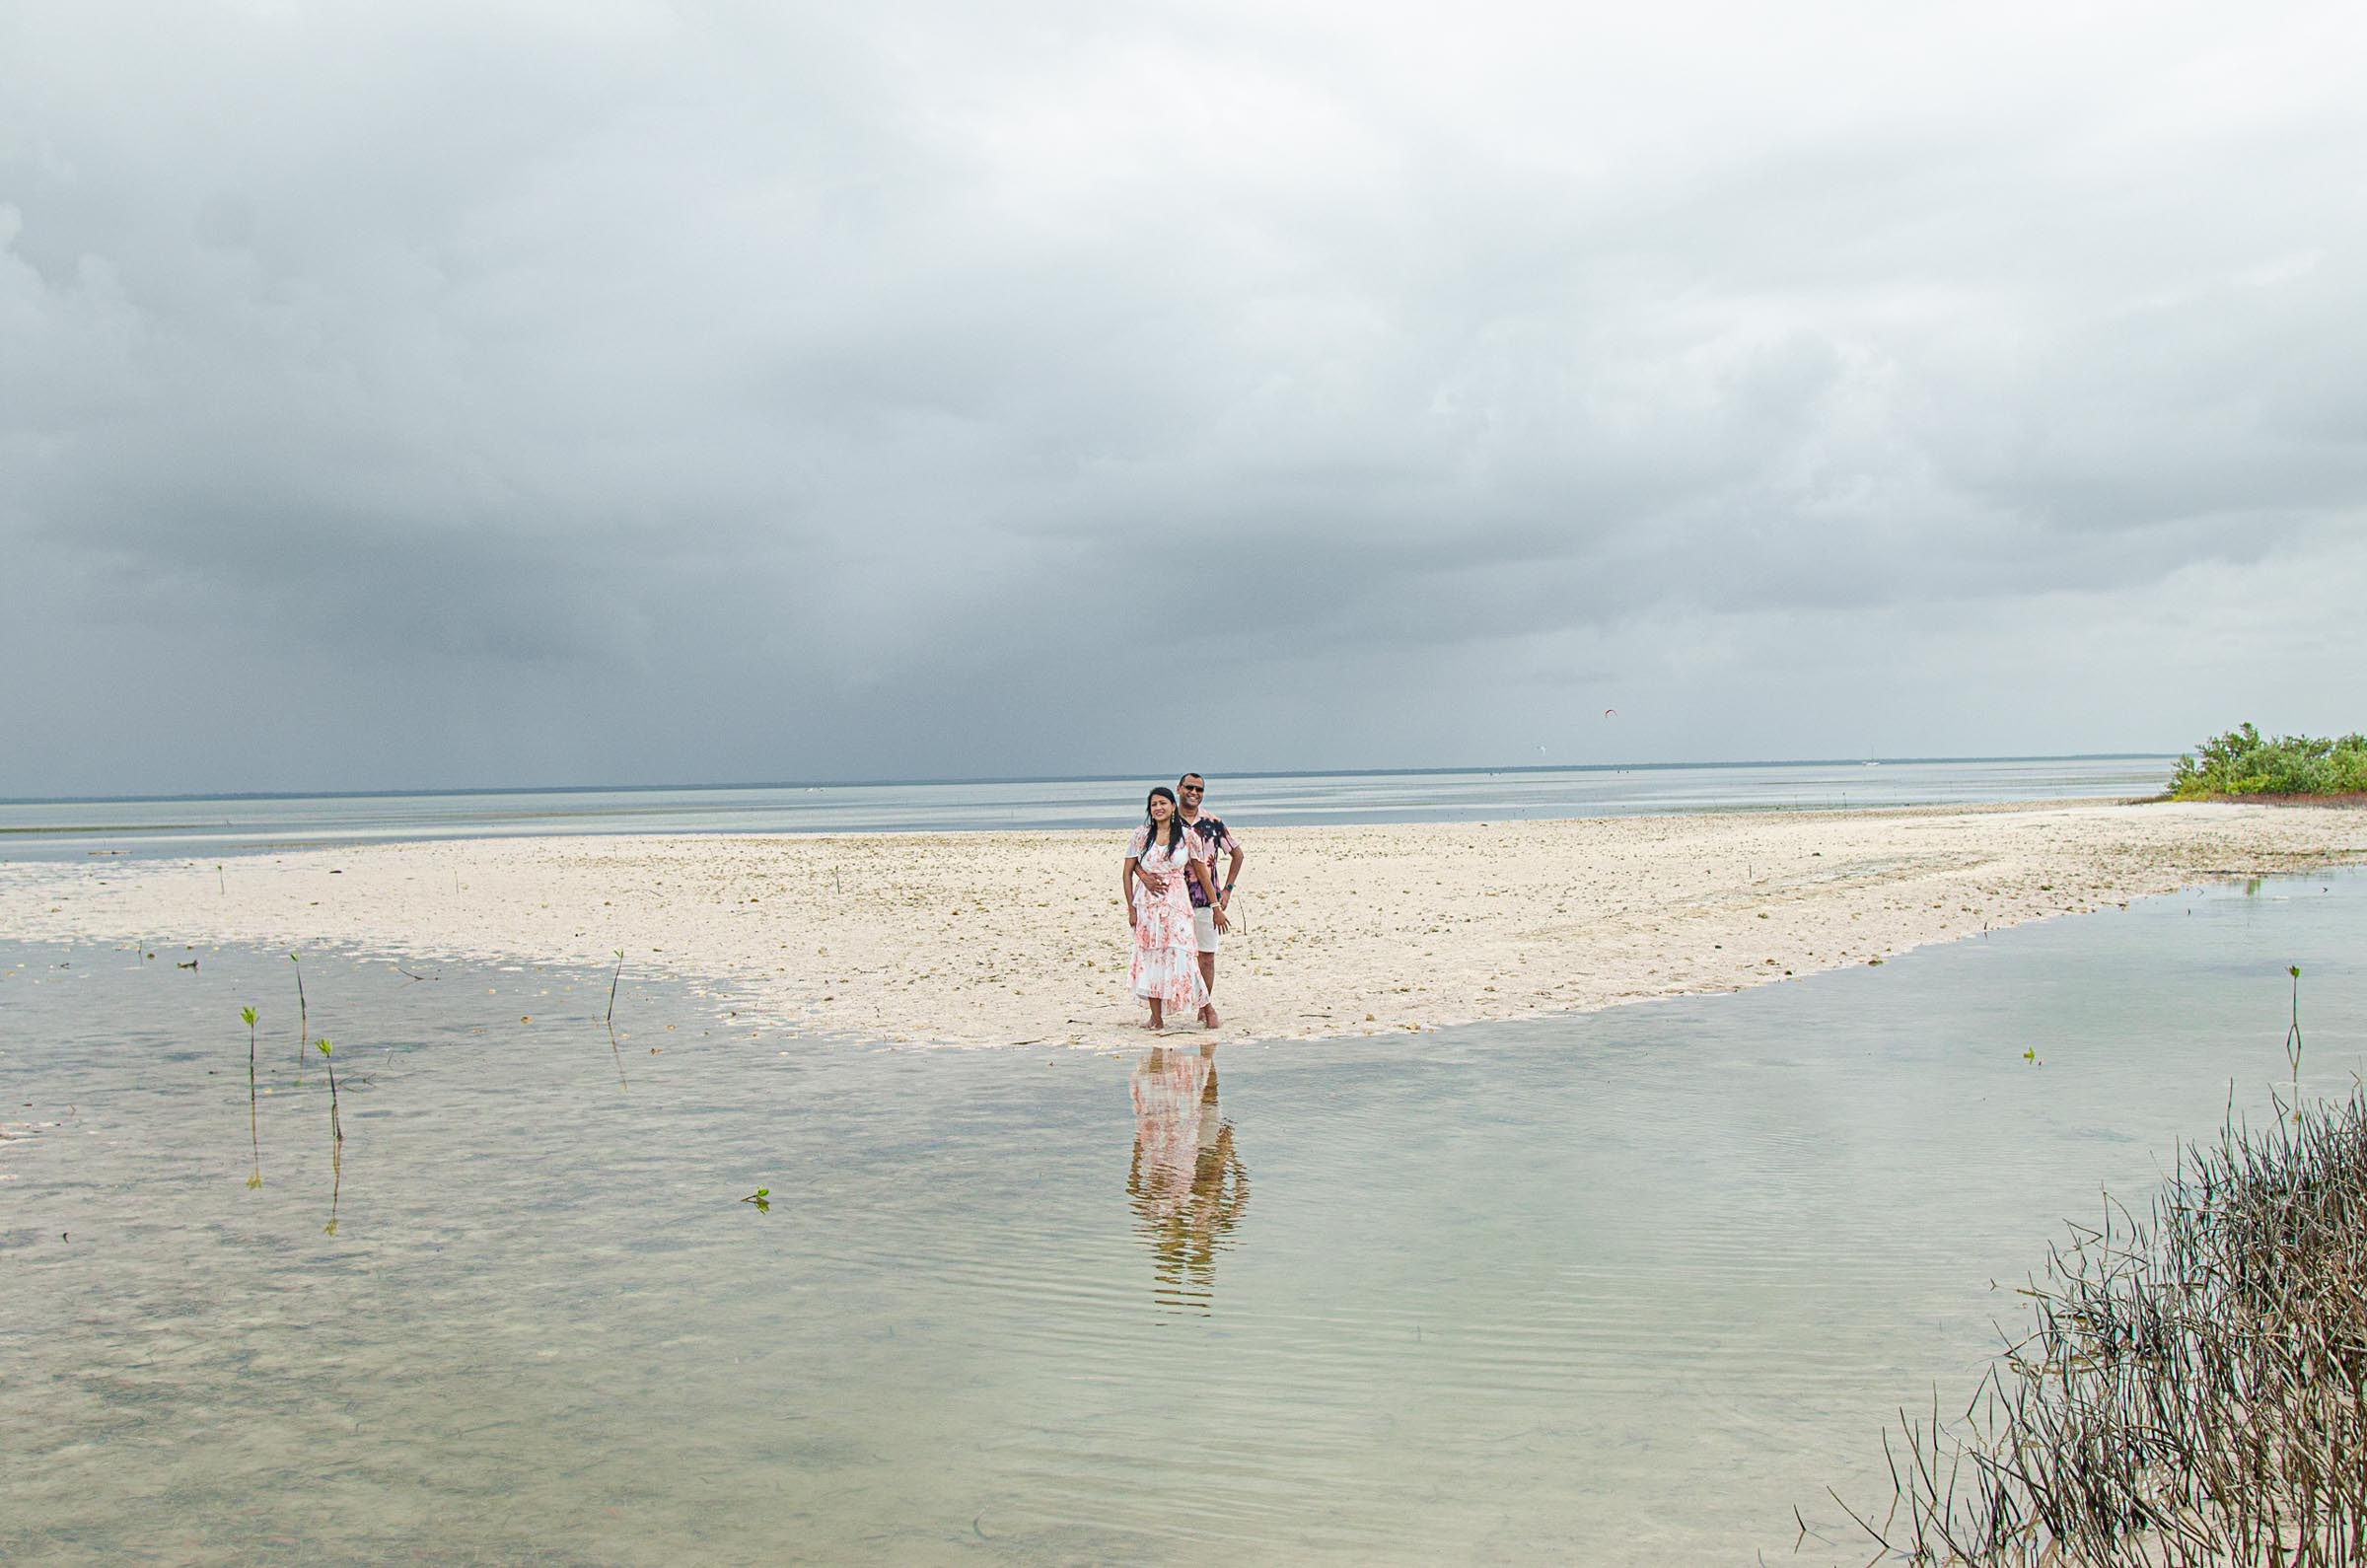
pixel 438 395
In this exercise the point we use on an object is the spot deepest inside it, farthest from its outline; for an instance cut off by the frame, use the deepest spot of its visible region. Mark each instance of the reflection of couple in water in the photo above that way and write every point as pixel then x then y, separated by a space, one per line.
pixel 1187 1184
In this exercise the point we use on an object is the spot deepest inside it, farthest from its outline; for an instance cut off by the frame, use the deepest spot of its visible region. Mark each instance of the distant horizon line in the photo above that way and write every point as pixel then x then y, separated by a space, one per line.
pixel 1046 778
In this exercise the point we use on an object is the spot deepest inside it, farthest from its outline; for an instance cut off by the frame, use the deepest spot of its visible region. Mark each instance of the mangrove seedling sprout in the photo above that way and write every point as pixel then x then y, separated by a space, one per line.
pixel 2293 1035
pixel 254 1127
pixel 303 1018
pixel 337 1140
pixel 335 1127
pixel 761 1198
pixel 615 1050
pixel 336 1182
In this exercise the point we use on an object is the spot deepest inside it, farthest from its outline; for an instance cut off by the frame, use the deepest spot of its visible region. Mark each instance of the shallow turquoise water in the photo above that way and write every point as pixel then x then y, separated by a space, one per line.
pixel 201 829
pixel 1621 1288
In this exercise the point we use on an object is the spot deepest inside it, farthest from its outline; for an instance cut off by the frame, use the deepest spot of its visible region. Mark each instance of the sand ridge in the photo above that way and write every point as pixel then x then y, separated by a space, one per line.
pixel 1004 938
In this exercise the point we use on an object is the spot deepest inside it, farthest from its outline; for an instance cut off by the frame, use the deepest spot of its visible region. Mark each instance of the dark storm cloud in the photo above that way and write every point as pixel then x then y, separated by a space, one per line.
pixel 691 392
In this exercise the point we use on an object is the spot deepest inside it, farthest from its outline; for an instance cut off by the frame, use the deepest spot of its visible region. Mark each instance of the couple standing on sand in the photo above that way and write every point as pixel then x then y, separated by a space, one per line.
pixel 1174 903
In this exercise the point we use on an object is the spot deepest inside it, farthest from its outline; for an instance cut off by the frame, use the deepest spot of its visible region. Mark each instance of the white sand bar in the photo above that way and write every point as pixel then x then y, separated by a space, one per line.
pixel 981 938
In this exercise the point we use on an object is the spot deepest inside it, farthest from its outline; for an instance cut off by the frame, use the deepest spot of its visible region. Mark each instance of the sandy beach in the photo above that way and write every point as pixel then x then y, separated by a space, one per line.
pixel 1006 938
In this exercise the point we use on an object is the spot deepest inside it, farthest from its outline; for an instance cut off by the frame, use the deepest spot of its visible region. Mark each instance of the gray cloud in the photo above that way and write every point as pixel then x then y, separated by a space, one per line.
pixel 436 395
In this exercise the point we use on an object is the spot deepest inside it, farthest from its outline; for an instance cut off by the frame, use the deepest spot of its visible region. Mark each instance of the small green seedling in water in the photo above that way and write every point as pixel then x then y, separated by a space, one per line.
pixel 303 1018
pixel 337 1139
pixel 761 1199
pixel 254 1127
pixel 2293 1038
pixel 337 1183
pixel 335 1125
pixel 615 1049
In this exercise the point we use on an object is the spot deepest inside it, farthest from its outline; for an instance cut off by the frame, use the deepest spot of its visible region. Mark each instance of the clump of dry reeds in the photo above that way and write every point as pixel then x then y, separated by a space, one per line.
pixel 2194 1390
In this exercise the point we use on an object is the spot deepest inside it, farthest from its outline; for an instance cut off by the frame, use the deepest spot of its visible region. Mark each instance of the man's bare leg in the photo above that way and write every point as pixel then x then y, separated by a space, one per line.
pixel 1208 979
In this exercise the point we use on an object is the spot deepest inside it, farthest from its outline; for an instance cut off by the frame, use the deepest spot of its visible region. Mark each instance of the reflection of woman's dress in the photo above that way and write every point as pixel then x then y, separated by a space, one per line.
pixel 1187 1184
pixel 1165 965
pixel 1166 1123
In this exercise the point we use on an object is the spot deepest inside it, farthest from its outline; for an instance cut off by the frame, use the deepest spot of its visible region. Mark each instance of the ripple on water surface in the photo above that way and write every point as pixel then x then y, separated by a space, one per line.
pixel 1621 1288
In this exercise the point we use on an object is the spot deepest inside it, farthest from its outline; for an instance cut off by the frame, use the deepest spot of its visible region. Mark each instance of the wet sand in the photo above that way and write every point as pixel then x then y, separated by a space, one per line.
pixel 1000 938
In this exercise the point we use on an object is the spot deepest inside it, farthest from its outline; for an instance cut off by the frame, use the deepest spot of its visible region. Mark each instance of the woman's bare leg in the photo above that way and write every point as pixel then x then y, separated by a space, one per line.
pixel 1156 1020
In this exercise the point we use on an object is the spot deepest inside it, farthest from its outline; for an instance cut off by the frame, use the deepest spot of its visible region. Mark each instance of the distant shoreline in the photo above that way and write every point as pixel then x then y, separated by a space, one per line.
pixel 448 792
pixel 231 829
pixel 989 938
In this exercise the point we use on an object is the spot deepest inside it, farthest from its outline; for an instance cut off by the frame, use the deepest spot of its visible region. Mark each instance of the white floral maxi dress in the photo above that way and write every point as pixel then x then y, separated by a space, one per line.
pixel 1167 965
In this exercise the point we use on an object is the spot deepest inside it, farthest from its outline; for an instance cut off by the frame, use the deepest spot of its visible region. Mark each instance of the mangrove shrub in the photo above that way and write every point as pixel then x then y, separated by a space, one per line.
pixel 2241 762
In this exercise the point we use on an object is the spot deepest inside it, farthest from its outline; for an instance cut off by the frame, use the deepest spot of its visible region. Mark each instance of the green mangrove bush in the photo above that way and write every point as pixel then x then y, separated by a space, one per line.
pixel 2245 763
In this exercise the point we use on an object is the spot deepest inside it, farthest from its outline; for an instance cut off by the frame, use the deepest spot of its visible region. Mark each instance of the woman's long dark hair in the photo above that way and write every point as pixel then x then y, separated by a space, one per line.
pixel 1174 821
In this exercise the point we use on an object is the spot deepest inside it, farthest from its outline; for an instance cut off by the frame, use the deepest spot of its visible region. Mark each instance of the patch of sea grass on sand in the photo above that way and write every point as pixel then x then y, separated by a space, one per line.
pixel 2192 1389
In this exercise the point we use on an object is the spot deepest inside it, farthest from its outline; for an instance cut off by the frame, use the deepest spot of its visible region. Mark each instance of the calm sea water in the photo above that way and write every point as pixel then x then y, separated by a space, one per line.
pixel 193 827
pixel 1623 1288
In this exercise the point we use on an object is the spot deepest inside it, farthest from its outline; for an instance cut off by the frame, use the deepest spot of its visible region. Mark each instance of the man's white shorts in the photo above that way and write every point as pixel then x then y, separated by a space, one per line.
pixel 1203 927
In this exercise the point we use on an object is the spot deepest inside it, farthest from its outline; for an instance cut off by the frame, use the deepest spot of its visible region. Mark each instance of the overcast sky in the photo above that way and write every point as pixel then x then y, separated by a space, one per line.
pixel 439 395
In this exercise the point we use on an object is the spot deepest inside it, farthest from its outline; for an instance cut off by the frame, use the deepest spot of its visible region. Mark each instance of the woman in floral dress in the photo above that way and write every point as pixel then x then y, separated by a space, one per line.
pixel 1166 971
